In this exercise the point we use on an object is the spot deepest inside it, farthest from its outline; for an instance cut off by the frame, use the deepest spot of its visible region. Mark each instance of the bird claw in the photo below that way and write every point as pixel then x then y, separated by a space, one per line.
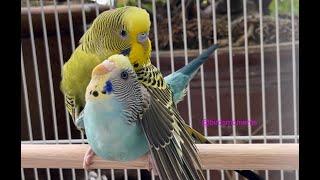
pixel 87 160
pixel 151 166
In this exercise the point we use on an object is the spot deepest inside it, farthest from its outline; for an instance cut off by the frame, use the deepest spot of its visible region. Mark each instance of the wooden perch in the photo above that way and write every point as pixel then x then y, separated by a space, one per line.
pixel 213 156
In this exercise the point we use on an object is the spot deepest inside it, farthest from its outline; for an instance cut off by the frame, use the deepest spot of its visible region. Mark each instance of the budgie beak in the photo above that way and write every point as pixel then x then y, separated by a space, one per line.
pixel 103 68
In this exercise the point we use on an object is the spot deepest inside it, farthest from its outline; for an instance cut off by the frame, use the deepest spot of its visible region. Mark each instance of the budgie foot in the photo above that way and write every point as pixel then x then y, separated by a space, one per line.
pixel 152 166
pixel 87 160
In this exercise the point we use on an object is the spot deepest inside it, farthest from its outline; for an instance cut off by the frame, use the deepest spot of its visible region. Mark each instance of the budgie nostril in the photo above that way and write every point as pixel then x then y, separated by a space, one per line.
pixel 103 68
pixel 142 37
pixel 108 65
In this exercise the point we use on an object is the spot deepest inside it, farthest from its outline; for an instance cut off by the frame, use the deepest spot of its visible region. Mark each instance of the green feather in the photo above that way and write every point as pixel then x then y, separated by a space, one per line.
pixel 77 74
pixel 284 7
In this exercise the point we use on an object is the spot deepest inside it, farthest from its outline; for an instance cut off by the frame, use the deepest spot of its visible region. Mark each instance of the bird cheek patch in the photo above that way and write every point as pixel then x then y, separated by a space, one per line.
pixel 107 89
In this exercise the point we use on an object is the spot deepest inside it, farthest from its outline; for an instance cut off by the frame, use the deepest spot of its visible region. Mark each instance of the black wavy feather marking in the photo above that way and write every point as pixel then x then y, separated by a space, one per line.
pixel 70 103
pixel 177 159
pixel 106 28
pixel 172 148
pixel 128 92
pixel 151 76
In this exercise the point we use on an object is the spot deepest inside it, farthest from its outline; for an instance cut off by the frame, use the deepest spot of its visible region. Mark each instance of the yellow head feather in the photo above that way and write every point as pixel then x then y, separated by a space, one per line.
pixel 120 61
pixel 138 21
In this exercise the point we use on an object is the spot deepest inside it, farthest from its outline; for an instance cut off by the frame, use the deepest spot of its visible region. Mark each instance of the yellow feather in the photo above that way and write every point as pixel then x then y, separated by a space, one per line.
pixel 137 20
pixel 77 74
pixel 140 55
pixel 121 61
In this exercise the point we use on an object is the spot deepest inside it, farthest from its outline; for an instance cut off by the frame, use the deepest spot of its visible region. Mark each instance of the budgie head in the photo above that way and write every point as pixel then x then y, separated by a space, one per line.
pixel 113 78
pixel 138 24
pixel 122 30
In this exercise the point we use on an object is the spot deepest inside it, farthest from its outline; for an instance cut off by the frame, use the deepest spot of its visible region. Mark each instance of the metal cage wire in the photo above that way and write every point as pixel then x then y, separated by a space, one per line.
pixel 34 72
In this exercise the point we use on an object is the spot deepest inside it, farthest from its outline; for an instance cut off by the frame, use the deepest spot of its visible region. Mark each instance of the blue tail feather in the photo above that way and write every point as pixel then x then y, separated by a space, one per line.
pixel 179 80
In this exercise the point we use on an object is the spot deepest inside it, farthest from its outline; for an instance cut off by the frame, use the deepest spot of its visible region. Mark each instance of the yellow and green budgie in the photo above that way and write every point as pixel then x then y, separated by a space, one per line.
pixel 117 31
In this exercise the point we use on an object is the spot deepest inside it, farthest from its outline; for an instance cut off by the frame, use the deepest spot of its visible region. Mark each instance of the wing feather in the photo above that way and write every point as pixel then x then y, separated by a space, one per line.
pixel 172 148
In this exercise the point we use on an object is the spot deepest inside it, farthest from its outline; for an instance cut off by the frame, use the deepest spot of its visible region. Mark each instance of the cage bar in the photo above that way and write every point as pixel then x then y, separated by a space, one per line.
pixel 155 29
pixel 26 100
pixel 170 35
pixel 231 68
pixel 278 78
pixel 247 65
pixel 214 23
pixel 71 26
pixel 185 48
pixel 294 83
pixel 204 107
pixel 22 174
pixel 47 52
pixel 263 79
pixel 37 81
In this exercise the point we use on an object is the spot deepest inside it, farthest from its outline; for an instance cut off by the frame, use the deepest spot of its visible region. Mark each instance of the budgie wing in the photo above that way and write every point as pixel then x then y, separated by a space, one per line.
pixel 76 75
pixel 70 103
pixel 172 148
pixel 196 136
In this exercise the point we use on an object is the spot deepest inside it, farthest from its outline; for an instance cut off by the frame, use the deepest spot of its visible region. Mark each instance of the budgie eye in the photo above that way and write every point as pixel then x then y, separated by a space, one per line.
pixel 123 33
pixel 124 75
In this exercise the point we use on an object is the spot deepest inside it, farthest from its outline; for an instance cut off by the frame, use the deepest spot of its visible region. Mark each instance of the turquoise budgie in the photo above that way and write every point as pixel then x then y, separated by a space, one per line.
pixel 113 110
pixel 114 121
